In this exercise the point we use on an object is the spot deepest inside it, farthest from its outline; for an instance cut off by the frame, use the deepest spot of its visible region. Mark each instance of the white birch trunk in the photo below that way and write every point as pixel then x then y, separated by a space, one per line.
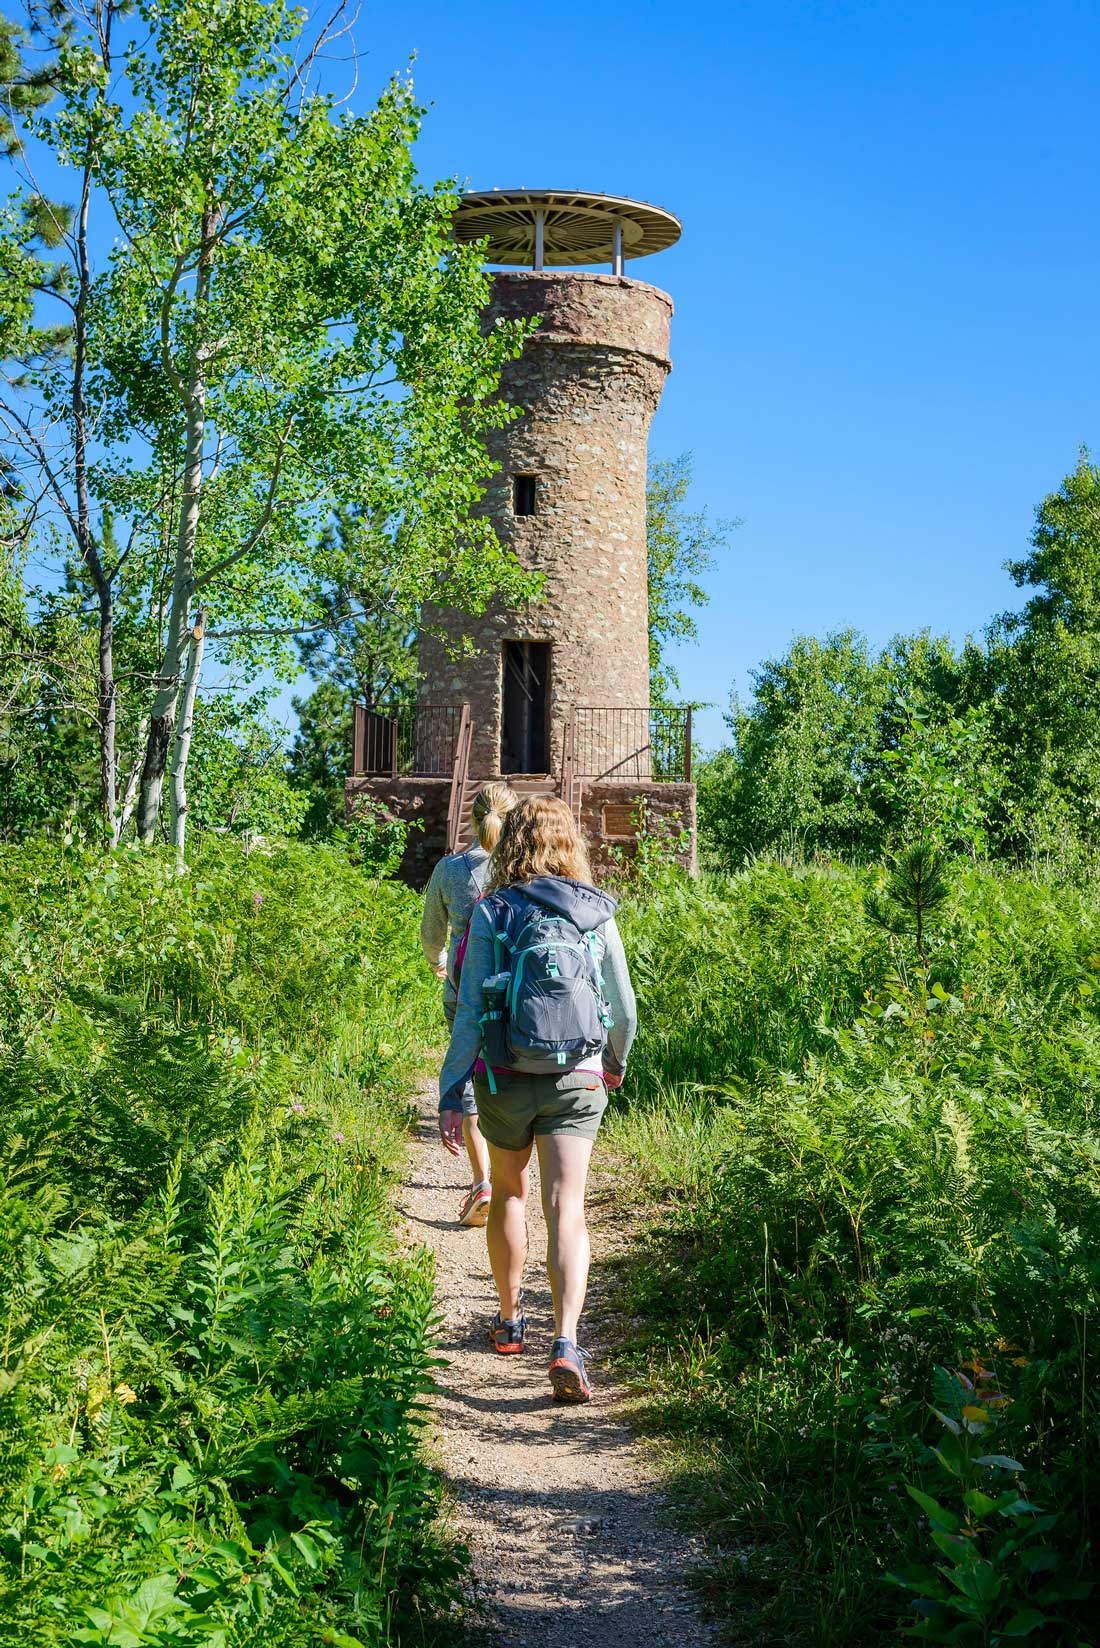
pixel 125 811
pixel 183 740
pixel 162 716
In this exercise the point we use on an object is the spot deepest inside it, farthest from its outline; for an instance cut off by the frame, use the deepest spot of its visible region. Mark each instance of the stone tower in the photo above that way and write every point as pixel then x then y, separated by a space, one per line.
pixel 555 695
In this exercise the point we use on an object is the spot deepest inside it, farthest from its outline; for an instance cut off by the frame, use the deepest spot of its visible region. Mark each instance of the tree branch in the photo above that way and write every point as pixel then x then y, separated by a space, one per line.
pixel 261 525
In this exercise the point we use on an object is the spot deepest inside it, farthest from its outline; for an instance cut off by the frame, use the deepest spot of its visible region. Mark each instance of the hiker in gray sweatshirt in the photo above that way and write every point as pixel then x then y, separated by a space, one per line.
pixel 544 1022
pixel 454 889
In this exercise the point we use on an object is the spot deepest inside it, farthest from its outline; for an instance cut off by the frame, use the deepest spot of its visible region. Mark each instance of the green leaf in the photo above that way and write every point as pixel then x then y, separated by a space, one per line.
pixel 951 1455
pixel 937 1515
pixel 1066 1590
pixel 1023 1623
pixel 229 1548
pixel 953 1546
pixel 999 1461
pixel 1040 1560
pixel 308 1549
pixel 915 1578
pixel 978 1580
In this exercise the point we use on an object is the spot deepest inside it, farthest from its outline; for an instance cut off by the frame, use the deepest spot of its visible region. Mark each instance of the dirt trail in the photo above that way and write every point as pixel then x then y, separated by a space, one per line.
pixel 560 1505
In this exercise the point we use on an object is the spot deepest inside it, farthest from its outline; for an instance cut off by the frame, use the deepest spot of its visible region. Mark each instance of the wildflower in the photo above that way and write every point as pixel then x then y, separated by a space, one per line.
pixel 298 1109
pixel 257 900
pixel 339 1137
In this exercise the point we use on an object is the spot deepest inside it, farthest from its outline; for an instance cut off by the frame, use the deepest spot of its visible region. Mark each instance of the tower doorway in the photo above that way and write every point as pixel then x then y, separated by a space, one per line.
pixel 525 709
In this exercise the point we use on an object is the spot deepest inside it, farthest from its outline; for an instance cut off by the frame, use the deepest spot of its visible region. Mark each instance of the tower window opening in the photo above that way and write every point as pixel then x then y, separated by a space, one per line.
pixel 523 494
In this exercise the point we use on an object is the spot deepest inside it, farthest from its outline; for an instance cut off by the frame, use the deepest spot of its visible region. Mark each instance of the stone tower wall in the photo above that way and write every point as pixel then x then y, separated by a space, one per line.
pixel 588 382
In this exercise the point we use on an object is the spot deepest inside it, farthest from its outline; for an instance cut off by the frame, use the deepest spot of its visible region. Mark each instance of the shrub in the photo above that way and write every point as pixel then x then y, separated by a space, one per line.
pixel 214 1359
pixel 878 1165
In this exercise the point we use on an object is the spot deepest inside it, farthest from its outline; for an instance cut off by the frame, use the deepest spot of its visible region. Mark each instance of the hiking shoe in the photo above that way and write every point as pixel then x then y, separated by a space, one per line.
pixel 568 1372
pixel 506 1335
pixel 475 1209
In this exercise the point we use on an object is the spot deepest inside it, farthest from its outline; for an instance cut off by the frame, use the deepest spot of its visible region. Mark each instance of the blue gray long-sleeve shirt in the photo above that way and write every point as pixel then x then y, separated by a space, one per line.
pixel 478 965
pixel 451 894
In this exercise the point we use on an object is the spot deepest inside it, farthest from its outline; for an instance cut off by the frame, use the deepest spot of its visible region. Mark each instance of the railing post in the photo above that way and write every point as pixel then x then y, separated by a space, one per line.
pixel 687 746
pixel 358 740
pixel 568 758
pixel 458 778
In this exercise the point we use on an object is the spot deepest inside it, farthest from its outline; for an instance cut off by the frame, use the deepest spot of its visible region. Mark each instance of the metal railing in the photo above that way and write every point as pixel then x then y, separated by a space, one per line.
pixel 616 743
pixel 405 742
pixel 653 745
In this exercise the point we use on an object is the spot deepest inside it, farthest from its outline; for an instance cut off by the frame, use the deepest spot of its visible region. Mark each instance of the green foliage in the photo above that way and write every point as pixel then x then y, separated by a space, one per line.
pixel 661 846
pixel 914 889
pixel 377 837
pixel 276 270
pixel 870 1165
pixel 1064 564
pixel 990 752
pixel 937 782
pixel 996 1574
pixel 47 698
pixel 23 89
pixel 368 643
pixel 320 756
pixel 681 547
pixel 797 778
pixel 215 1360
pixel 238 767
pixel 1044 672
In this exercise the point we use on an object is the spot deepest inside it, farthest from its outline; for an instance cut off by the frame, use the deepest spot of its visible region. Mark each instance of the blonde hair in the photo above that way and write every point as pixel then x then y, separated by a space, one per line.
pixel 540 837
pixel 489 809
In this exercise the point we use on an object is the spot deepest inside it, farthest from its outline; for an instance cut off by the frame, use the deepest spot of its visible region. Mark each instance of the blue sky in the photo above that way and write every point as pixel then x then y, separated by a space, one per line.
pixel 887 331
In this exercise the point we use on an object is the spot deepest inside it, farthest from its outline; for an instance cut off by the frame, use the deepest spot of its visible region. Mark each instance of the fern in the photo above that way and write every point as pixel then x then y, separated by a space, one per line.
pixel 213 1362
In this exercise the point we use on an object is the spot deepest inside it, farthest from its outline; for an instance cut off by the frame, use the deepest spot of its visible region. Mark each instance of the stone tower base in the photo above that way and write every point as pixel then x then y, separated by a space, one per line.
pixel 610 815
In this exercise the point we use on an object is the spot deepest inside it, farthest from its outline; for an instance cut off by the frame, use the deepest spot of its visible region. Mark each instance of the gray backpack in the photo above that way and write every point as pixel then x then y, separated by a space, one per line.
pixel 545 1010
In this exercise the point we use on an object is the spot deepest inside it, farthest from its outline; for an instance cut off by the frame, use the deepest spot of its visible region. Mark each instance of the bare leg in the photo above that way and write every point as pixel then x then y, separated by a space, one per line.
pixel 563 1165
pixel 475 1149
pixel 506 1232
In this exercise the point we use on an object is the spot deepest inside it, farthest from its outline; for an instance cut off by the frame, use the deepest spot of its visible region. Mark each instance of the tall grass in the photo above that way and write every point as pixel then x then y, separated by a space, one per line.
pixel 212 1359
pixel 880 1250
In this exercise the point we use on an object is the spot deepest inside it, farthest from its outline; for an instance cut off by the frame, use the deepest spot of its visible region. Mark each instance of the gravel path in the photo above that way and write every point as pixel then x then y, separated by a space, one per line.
pixel 560 1506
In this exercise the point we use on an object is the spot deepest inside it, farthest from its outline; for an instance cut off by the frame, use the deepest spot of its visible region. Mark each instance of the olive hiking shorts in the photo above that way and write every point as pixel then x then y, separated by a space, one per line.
pixel 525 1107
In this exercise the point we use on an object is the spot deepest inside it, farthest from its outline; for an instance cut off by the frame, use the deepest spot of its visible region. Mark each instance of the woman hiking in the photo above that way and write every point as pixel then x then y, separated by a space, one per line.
pixel 544 1021
pixel 455 887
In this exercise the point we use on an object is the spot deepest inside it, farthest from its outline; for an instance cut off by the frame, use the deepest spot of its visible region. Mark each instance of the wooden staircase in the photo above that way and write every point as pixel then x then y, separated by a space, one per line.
pixel 463 836
pixel 464 785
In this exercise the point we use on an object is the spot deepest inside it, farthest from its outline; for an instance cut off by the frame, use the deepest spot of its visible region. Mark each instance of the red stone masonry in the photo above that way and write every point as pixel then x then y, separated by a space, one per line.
pixel 588 382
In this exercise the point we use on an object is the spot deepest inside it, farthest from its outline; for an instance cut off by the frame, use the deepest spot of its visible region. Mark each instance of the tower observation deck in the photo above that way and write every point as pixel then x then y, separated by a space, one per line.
pixel 555 228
